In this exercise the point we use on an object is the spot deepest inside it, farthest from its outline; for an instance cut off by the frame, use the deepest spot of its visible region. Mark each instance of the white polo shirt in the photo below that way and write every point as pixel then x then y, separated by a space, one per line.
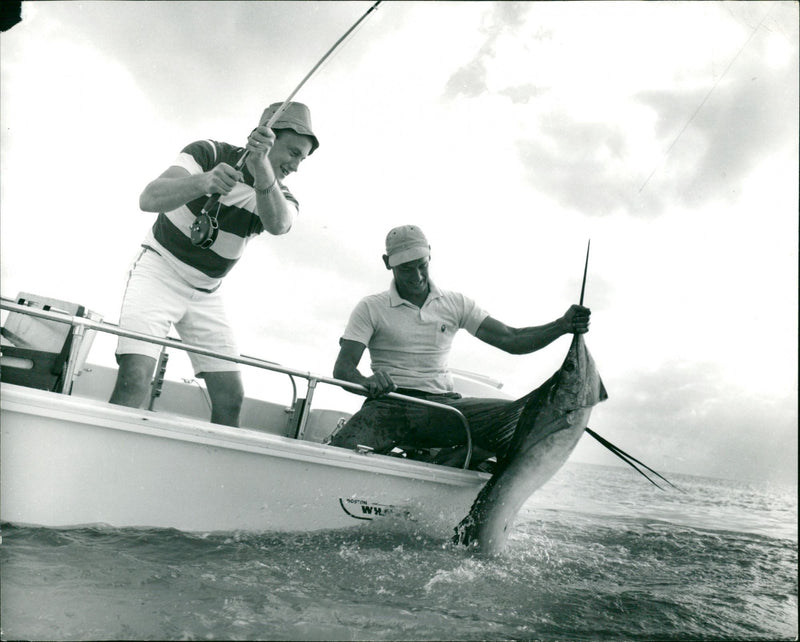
pixel 413 344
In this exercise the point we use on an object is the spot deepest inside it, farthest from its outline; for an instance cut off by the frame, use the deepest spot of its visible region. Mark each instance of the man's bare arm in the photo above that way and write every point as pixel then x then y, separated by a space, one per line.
pixel 531 339
pixel 346 368
pixel 176 187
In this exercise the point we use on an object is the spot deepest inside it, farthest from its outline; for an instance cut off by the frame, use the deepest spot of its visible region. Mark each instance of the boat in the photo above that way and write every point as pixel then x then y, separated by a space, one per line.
pixel 68 458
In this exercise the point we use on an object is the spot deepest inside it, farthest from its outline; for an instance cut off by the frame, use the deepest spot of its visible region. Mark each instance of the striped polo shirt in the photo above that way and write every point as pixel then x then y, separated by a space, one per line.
pixel 170 235
pixel 413 344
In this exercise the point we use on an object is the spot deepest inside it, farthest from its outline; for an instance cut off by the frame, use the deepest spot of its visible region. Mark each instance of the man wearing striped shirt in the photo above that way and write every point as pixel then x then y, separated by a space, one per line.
pixel 185 255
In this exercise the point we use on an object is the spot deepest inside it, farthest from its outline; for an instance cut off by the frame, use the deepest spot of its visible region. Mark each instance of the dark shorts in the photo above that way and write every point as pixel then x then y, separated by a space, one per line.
pixel 383 424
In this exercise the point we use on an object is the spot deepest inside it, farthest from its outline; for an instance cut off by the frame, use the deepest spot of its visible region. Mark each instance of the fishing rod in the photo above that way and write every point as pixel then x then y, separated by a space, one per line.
pixel 285 103
pixel 205 226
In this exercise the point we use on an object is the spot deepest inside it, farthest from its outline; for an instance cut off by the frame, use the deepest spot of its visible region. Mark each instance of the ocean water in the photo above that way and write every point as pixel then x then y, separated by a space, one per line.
pixel 597 554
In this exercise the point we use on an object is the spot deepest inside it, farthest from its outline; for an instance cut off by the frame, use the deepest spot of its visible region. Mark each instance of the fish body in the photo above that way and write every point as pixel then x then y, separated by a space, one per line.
pixel 547 432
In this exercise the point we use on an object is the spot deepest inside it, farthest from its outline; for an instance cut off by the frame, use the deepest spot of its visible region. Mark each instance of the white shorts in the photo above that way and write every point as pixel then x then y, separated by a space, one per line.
pixel 156 298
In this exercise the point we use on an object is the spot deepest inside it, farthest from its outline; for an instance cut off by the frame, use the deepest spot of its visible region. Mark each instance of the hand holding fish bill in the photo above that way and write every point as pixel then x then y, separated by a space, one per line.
pixel 576 319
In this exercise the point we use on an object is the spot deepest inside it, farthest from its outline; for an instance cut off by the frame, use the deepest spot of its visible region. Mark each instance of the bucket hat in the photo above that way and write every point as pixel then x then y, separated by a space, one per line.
pixel 296 117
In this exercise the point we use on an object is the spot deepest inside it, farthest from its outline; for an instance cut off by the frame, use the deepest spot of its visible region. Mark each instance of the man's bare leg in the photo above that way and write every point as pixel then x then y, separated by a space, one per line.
pixel 133 380
pixel 227 394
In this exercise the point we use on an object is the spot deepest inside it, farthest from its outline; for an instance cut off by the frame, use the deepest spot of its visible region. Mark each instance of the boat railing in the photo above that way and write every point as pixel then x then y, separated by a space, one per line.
pixel 79 326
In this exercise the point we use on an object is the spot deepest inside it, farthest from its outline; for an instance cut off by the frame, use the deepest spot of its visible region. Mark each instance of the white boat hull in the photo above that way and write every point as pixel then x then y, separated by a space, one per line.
pixel 72 461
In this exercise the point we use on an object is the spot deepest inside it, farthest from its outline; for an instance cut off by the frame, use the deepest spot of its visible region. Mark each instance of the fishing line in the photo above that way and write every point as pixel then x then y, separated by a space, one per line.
pixel 628 459
pixel 703 102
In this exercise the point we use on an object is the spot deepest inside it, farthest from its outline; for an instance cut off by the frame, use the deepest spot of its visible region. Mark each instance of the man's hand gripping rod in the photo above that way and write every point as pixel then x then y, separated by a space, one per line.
pixel 240 163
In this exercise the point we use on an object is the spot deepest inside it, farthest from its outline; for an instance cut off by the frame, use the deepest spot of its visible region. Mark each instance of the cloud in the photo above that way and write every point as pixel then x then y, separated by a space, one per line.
pixel 523 94
pixel 712 145
pixel 688 417
pixel 751 124
pixel 602 136
pixel 581 165
pixel 186 55
pixel 706 140
pixel 471 80
pixel 508 16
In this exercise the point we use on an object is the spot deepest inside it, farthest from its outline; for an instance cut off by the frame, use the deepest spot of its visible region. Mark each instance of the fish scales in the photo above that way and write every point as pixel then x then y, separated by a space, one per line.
pixel 550 426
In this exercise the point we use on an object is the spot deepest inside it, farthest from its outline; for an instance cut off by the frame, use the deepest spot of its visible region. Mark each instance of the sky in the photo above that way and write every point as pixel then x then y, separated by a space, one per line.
pixel 512 133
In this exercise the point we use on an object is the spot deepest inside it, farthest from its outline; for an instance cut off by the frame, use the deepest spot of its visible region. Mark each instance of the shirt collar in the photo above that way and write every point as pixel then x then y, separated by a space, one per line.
pixel 395 299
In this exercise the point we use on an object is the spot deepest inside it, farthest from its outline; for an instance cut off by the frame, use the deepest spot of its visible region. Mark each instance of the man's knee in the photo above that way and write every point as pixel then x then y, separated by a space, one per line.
pixel 376 425
pixel 348 434
pixel 228 403
pixel 133 379
pixel 227 396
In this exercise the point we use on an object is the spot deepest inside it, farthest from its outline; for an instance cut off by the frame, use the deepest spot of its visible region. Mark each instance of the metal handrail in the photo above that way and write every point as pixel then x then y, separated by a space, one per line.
pixel 80 324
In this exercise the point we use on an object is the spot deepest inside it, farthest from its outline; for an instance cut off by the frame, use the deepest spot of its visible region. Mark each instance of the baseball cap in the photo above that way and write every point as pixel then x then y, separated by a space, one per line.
pixel 296 117
pixel 406 243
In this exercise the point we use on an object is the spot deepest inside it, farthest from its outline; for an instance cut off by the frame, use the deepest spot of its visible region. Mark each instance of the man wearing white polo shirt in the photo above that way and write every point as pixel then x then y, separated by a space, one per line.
pixel 409 331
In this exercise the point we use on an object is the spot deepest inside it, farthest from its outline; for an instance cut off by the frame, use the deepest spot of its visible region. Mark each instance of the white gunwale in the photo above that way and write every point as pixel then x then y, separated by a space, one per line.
pixel 69 458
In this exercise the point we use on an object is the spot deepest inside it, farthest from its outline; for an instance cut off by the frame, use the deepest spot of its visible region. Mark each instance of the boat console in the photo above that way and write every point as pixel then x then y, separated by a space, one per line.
pixel 43 353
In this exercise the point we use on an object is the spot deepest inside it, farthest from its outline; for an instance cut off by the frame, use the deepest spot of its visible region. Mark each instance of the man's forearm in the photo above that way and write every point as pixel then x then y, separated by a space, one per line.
pixel 167 194
pixel 348 372
pixel 526 340
pixel 531 339
pixel 541 336
pixel 275 212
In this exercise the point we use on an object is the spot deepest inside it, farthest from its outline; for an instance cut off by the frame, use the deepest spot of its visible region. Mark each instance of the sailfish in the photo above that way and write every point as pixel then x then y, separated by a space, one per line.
pixel 551 422
pixel 550 426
